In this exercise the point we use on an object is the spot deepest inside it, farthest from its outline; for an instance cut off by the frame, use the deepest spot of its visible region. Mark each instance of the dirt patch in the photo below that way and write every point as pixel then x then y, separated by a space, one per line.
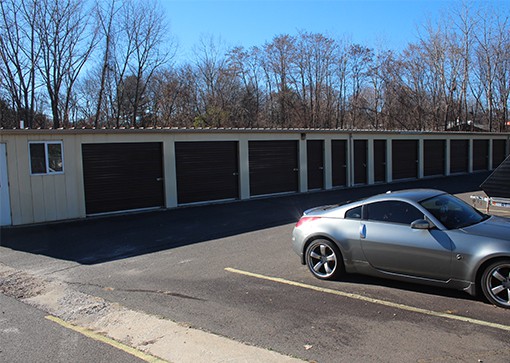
pixel 20 285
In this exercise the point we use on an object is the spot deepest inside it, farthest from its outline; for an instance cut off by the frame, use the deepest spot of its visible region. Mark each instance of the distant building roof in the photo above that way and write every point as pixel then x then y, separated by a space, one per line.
pixel 469 126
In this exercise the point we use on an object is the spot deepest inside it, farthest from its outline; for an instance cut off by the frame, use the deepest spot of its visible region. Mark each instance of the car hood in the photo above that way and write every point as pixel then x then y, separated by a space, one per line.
pixel 494 227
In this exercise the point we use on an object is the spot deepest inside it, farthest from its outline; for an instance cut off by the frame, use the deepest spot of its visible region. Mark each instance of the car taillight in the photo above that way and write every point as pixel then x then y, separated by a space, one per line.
pixel 304 220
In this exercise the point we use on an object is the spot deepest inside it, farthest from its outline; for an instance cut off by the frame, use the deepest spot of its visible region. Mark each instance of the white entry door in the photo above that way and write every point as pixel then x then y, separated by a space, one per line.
pixel 5 203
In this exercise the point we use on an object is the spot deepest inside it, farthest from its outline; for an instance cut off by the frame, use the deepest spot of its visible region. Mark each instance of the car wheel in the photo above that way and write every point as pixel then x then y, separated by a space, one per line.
pixel 324 259
pixel 496 283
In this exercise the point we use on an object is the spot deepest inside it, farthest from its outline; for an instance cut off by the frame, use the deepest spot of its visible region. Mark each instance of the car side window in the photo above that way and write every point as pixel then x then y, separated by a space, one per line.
pixel 393 212
pixel 354 213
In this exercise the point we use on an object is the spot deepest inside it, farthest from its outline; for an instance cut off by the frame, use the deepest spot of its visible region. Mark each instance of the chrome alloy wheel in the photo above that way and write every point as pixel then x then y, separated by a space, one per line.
pixel 496 283
pixel 323 259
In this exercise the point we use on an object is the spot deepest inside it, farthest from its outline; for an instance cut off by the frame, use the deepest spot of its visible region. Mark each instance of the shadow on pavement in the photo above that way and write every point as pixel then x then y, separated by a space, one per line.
pixel 97 240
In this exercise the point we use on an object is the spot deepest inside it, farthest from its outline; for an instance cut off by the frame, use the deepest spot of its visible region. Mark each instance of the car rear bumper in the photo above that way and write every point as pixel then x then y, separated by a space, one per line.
pixel 298 244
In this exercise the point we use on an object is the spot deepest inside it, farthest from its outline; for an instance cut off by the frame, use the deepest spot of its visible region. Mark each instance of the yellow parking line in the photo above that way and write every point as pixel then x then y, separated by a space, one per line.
pixel 371 300
pixel 106 340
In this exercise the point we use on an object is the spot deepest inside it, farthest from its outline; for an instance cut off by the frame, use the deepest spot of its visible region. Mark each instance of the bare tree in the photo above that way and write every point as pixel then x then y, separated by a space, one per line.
pixel 106 15
pixel 314 60
pixel 485 72
pixel 109 64
pixel 211 68
pixel 63 29
pixel 277 65
pixel 411 80
pixel 340 76
pixel 443 61
pixel 360 63
pixel 147 34
pixel 19 52
pixel 465 26
pixel 376 74
pixel 246 66
pixel 501 57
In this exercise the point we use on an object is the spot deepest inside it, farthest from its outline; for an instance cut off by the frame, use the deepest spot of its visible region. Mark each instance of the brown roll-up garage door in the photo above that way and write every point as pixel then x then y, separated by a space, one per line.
pixel 339 162
pixel 459 156
pixel 434 157
pixel 405 159
pixel 315 164
pixel 480 154
pixel 273 167
pixel 360 161
pixel 498 152
pixel 206 171
pixel 122 176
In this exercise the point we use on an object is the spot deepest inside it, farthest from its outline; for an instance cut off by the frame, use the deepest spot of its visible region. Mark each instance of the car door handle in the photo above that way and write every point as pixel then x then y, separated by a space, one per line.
pixel 363 231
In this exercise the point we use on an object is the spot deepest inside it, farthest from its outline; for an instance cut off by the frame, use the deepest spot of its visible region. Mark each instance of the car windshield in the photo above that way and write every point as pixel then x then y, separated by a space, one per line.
pixel 452 212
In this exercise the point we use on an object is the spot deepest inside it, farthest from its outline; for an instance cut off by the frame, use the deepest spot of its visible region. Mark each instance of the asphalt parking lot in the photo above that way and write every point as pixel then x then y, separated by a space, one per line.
pixel 229 269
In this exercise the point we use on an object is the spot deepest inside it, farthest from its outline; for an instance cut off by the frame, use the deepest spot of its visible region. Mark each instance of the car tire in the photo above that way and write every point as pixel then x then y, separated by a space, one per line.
pixel 324 259
pixel 495 283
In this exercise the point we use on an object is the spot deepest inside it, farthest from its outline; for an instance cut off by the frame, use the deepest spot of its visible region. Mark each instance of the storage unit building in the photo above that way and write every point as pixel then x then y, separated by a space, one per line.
pixel 51 175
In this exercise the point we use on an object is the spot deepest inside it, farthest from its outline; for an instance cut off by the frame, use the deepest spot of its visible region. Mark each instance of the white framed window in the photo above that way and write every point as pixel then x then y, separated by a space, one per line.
pixel 46 157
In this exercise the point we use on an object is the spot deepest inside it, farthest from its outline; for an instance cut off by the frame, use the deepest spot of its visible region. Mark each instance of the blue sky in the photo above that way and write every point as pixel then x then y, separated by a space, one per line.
pixel 391 23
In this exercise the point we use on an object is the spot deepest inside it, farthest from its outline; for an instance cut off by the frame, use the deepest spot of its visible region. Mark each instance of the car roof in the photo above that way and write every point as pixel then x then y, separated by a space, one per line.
pixel 416 195
pixel 413 195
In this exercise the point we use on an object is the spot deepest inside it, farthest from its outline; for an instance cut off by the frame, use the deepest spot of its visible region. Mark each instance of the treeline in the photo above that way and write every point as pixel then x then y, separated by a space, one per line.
pixel 112 64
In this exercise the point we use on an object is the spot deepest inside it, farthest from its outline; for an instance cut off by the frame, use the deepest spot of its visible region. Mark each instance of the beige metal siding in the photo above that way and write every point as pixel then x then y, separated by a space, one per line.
pixel 5 200
pixel 47 197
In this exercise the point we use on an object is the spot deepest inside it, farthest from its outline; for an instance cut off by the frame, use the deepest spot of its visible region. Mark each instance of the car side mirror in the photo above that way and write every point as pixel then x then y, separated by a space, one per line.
pixel 421 224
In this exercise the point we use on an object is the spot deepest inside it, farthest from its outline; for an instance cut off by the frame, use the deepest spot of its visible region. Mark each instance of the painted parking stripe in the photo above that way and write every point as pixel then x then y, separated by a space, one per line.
pixel 371 300
pixel 101 338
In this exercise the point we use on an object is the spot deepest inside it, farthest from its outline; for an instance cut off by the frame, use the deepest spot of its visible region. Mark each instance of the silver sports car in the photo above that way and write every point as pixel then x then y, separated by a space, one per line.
pixel 422 235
